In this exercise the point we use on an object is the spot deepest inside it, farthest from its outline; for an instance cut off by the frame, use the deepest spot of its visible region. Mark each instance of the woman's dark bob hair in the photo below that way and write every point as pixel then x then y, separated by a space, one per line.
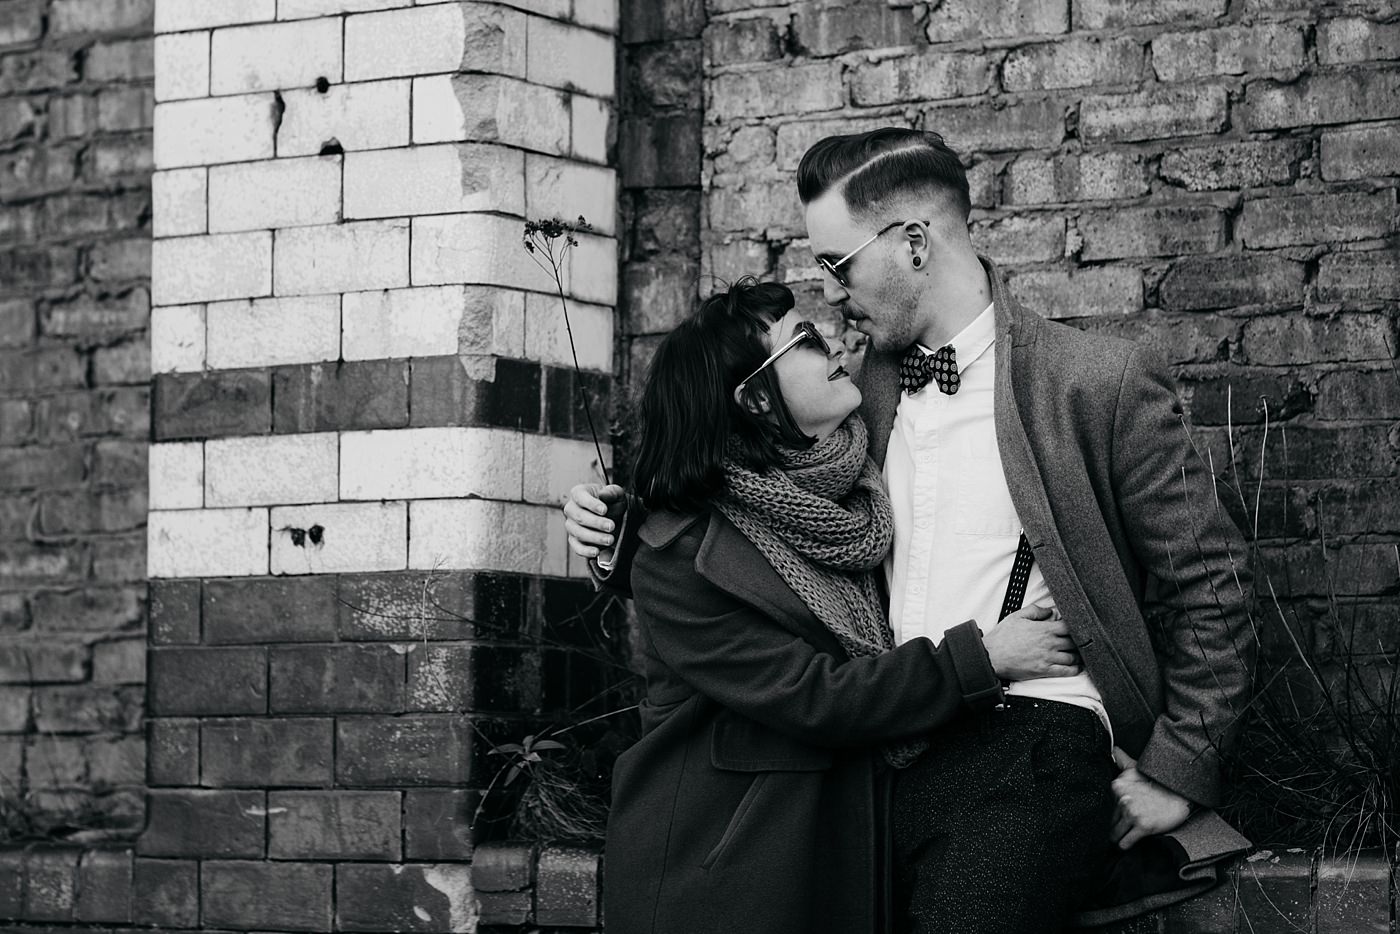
pixel 688 410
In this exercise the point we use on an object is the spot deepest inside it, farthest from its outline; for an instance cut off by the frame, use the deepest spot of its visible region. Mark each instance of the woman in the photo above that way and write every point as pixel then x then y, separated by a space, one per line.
pixel 773 691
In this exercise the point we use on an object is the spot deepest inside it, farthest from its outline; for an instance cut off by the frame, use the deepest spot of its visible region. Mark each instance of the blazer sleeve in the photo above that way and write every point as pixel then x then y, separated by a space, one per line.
pixel 745 661
pixel 1182 535
pixel 615 576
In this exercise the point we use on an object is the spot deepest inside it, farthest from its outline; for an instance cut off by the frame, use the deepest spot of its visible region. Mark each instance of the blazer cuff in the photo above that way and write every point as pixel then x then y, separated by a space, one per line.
pixel 980 686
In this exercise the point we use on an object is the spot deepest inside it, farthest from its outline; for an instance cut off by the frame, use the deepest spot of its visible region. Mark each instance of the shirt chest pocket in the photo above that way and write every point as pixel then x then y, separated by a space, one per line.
pixel 981 500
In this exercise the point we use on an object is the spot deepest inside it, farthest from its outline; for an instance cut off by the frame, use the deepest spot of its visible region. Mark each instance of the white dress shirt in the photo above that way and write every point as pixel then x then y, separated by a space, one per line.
pixel 955 528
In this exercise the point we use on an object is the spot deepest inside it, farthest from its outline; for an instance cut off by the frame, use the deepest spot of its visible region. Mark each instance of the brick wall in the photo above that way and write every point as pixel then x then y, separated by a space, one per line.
pixel 75 214
pixel 1217 179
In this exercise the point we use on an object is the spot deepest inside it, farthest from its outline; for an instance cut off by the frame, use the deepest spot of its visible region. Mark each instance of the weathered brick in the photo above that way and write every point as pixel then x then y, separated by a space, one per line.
pixel 381 607
pixel 562 55
pixel 40 662
pixel 1089 176
pixel 456 677
pixel 211 130
pixel 1234 165
pixel 1341 97
pixel 1235 50
pixel 490 108
pixel 1021 238
pixel 455 391
pixel 78 16
pixel 456 531
pixel 24 22
pixel 87 708
pixel 423 463
pixel 283 896
pixel 364 678
pixel 55 762
pixel 511 909
pixel 920 78
pixel 15 709
pixel 352 395
pixel 767 204
pixel 1073 63
pixel 119 761
pixel 28 563
pixel 736 41
pixel 50 884
pixel 432 897
pixel 127 363
pixel 120 558
pixel 1361 152
pixel 179 17
pixel 965 19
pixel 403 751
pixel 104 886
pixel 1027 125
pixel 1353 39
pixel 1356 507
pixel 174 611
pixel 111 411
pixel 657 20
pixel 201 269
pixel 274 55
pixel 105 316
pixel 172 752
pixel 192 822
pixel 19 118
pixel 593 130
pixel 181 66
pixel 414 322
pixel 1109 14
pixel 566 890
pixel 275 609
pixel 207 681
pixel 1309 219
pixel 259 753
pixel 795 90
pixel 437 823
pixel 1352 893
pixel 1245 397
pixel 207 543
pixel 1349 394
pixel 834 28
pixel 443 179
pixel 371 115
pixel 660 294
pixel 667 150
pixel 165 892
pixel 334 825
pixel 212 405
pixel 1160 230
pixel 270 470
pixel 1275 888
pixel 1199 283
pixel 1285 339
pixel 30 269
pixel 1158 113
pixel 438 38
pixel 574 400
pixel 38 70
pixel 342 257
pixel 352 537
pixel 1371 276
pixel 114 511
pixel 275 193
pixel 91 609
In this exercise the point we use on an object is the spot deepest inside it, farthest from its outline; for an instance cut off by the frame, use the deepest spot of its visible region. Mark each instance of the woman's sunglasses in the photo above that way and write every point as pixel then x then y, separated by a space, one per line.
pixel 806 331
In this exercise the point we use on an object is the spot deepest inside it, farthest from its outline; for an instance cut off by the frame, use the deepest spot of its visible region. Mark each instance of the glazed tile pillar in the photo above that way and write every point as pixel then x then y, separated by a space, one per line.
pixel 364 414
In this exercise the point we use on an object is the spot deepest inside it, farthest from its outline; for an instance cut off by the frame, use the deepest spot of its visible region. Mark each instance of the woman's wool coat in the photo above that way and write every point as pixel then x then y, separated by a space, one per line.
pixel 750 803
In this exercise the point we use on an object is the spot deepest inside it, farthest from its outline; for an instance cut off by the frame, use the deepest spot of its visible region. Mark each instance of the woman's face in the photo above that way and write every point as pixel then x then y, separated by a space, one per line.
pixel 818 391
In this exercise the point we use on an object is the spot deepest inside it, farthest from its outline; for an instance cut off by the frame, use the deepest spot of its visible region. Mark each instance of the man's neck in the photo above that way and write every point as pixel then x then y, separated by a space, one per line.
pixel 960 293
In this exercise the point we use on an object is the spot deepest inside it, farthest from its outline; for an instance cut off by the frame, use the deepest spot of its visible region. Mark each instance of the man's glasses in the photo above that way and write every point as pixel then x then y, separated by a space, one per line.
pixel 806 331
pixel 834 268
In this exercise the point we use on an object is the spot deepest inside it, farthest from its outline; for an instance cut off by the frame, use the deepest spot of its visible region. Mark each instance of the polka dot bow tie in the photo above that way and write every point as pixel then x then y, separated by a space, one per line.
pixel 917 368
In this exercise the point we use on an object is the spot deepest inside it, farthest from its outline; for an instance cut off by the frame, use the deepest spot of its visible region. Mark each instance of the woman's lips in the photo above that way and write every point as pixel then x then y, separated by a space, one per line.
pixel 838 373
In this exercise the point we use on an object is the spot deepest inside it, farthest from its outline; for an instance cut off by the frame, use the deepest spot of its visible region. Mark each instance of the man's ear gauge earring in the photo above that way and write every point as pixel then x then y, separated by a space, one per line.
pixel 917 262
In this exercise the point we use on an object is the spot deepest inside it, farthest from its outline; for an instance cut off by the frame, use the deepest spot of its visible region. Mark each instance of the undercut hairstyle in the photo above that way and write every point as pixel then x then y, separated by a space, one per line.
pixel 687 409
pixel 875 170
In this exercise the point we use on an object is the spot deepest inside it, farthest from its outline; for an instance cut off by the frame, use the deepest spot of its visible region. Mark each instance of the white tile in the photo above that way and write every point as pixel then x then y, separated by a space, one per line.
pixel 182 65
pixel 298 9
pixel 600 14
pixel 275 193
pixel 592 128
pixel 176 473
pixel 547 336
pixel 490 108
pixel 487 535
pixel 179 15
pixel 402 322
pixel 219 266
pixel 374 115
pixel 422 463
pixel 442 38
pixel 272 56
pixel 342 257
pixel 353 537
pixel 443 179
pixel 273 331
pixel 271 470
pixel 564 56
pixel 179 202
pixel 177 338
pixel 553 466
pixel 562 188
pixel 212 130
pixel 206 543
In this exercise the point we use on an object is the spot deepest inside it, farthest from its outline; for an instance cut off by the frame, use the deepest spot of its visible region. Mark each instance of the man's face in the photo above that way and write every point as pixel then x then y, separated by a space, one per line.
pixel 877 297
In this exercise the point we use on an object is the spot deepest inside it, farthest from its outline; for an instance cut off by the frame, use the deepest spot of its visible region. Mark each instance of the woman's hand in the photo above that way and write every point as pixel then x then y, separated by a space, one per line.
pixel 1144 807
pixel 591 513
pixel 1031 643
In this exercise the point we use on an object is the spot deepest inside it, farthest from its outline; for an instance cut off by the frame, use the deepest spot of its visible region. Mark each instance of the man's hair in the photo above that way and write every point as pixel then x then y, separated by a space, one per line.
pixel 687 411
pixel 882 166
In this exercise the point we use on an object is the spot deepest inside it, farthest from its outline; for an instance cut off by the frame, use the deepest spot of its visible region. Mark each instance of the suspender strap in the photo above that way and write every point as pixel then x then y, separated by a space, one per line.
pixel 1020 576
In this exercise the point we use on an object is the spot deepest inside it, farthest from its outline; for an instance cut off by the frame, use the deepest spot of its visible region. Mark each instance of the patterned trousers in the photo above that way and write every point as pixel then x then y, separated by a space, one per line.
pixel 1002 826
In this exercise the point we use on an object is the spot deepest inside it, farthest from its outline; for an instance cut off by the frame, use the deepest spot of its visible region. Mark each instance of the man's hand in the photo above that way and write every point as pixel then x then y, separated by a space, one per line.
pixel 1144 807
pixel 591 513
pixel 1031 644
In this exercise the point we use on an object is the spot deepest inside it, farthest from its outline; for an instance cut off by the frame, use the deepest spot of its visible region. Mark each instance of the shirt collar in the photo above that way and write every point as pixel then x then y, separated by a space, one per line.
pixel 972 341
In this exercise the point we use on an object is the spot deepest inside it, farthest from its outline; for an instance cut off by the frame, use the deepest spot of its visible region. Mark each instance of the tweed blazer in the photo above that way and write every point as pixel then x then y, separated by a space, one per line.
pixel 1122 514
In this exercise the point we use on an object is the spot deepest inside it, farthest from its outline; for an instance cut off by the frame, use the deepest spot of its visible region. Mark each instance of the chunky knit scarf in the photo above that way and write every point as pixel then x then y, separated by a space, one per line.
pixel 824 521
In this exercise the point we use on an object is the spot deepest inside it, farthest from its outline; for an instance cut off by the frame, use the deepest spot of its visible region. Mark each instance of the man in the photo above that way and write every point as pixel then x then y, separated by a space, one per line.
pixel 1019 450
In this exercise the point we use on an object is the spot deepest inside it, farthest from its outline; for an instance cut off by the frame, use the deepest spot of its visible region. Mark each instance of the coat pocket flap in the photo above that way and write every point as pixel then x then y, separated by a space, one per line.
pixel 741 745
